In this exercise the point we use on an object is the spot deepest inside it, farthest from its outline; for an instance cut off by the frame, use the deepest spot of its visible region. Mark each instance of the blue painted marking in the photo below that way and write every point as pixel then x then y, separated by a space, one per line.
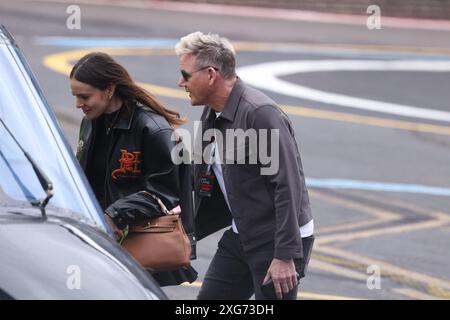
pixel 83 42
pixel 376 186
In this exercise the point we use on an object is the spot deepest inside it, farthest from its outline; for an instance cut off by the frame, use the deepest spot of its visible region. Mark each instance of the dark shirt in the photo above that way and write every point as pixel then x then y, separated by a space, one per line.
pixel 97 174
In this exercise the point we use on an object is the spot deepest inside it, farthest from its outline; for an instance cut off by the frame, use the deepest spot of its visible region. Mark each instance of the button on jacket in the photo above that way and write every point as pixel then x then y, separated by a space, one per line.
pixel 265 207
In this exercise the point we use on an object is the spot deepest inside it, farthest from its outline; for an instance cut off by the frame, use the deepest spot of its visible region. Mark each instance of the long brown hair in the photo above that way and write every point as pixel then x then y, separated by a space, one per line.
pixel 99 70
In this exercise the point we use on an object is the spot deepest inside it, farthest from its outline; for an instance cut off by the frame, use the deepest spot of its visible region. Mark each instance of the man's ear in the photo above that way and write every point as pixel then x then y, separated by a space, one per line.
pixel 212 74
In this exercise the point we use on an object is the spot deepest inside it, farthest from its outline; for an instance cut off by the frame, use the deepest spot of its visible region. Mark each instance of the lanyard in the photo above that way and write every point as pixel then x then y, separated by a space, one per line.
pixel 212 155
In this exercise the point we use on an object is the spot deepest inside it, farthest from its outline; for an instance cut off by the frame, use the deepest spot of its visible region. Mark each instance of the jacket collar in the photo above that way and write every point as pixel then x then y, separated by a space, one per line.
pixel 231 106
pixel 125 118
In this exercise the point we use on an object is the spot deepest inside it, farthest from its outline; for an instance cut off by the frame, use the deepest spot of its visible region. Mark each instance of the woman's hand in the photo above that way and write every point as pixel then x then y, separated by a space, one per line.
pixel 176 210
pixel 118 234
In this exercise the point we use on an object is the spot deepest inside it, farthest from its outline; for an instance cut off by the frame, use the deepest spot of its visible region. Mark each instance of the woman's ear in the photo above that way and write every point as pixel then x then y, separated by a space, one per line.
pixel 110 90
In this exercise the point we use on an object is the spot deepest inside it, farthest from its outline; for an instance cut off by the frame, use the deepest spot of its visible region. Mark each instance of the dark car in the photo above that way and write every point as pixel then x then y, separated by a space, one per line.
pixel 54 241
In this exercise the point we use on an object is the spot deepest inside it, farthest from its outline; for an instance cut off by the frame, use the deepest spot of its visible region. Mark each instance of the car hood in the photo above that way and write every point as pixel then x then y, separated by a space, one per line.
pixel 61 259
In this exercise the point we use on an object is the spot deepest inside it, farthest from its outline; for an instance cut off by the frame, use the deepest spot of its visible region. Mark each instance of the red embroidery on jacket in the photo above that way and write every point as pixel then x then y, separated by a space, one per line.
pixel 129 162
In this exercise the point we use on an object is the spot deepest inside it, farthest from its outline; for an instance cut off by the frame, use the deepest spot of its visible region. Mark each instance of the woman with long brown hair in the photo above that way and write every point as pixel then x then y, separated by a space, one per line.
pixel 125 146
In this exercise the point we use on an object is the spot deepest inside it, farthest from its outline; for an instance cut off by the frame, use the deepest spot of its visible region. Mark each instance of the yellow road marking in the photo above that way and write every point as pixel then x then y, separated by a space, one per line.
pixel 372 121
pixel 407 206
pixel 165 91
pixel 440 219
pixel 431 284
pixel 386 268
pixel 382 231
pixel 439 292
pixel 60 62
pixel 315 296
pixel 270 46
pixel 380 215
pixel 318 264
pixel 301 295
pixel 411 293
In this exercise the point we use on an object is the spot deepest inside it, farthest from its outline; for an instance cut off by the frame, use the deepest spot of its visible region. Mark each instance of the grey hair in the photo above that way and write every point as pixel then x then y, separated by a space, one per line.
pixel 209 50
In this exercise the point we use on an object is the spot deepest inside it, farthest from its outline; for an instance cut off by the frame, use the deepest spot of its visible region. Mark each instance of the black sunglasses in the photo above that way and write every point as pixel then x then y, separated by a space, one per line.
pixel 186 75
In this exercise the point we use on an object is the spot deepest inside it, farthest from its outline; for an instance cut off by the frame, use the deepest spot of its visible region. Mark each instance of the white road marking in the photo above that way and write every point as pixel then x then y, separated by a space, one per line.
pixel 266 76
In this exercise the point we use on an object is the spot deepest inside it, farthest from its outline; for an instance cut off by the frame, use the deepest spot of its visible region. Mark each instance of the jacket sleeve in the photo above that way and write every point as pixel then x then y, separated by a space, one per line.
pixel 160 178
pixel 284 179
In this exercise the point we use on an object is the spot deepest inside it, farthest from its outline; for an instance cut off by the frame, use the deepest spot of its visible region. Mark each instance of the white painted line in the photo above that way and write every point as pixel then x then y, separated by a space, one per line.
pixel 266 76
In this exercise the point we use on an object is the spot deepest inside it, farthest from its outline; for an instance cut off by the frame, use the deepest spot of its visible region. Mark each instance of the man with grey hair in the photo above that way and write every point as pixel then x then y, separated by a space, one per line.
pixel 268 246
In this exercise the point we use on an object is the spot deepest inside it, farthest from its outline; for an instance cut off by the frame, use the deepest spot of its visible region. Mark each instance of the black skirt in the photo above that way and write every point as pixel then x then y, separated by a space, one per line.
pixel 176 277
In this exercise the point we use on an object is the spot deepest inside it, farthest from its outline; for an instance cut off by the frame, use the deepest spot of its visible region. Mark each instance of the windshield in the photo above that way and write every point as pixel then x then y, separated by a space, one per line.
pixel 26 113
pixel 17 180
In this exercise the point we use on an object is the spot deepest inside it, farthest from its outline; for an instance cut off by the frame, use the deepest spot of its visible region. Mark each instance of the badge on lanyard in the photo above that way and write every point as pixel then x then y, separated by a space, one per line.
pixel 207 179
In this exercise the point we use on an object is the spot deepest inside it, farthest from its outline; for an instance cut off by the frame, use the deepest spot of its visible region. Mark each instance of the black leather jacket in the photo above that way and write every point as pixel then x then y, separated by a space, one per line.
pixel 139 152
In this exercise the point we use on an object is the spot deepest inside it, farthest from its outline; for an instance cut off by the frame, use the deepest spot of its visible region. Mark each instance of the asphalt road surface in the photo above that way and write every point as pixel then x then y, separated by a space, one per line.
pixel 370 110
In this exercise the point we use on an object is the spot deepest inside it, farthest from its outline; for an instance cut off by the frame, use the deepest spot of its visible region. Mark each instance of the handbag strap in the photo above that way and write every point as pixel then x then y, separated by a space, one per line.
pixel 161 205
pixel 158 200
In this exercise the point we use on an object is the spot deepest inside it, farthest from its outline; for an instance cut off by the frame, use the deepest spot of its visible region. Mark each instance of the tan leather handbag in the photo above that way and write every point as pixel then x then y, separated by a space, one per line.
pixel 159 244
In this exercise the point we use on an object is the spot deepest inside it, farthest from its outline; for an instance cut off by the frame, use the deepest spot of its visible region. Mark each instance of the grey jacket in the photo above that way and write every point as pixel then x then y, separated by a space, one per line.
pixel 265 207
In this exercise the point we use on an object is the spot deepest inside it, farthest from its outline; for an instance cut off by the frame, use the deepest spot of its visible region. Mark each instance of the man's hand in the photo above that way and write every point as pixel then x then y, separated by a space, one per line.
pixel 118 234
pixel 283 275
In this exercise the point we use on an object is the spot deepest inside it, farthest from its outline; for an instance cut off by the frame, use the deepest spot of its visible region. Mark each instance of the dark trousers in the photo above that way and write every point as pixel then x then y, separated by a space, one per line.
pixel 236 275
